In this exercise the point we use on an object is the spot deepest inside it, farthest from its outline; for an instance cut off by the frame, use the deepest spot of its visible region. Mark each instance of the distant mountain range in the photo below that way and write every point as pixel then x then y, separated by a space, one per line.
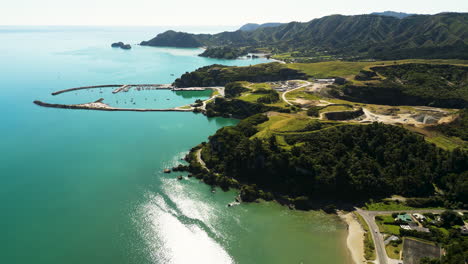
pixel 399 15
pixel 254 26
pixel 442 35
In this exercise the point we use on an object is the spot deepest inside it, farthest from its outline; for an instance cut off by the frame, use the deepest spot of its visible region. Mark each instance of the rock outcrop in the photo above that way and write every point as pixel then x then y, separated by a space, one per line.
pixel 121 45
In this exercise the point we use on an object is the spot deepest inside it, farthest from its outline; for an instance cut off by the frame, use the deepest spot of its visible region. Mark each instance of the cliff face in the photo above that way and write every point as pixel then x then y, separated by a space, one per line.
pixel 344 115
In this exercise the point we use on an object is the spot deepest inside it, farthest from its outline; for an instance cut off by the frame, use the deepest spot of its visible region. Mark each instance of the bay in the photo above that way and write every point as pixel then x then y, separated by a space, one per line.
pixel 87 186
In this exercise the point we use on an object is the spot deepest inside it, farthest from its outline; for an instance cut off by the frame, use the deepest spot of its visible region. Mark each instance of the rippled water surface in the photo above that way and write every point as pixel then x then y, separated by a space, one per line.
pixel 83 186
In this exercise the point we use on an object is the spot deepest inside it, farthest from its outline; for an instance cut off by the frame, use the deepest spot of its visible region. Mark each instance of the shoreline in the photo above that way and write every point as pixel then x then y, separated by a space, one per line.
pixel 355 237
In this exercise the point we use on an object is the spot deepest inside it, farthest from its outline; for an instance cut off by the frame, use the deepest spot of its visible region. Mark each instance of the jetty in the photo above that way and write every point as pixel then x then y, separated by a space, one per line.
pixel 189 89
pixel 99 105
pixel 122 87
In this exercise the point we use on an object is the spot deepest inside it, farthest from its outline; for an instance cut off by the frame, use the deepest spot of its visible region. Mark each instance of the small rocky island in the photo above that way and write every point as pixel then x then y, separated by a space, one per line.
pixel 121 45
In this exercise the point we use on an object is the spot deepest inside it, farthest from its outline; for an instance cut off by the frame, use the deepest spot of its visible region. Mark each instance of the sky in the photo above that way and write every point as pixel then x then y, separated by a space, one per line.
pixel 202 12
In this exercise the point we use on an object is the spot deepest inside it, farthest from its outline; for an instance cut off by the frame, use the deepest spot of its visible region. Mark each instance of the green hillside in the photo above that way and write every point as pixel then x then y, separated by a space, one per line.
pixel 443 35
pixel 310 159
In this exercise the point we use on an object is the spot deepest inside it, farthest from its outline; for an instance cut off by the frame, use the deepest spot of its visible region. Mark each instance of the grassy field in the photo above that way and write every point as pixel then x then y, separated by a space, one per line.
pixel 348 69
pixel 447 143
pixel 393 206
pixel 440 140
pixel 336 108
pixel 387 206
pixel 369 248
pixel 300 93
pixel 256 86
pixel 385 228
pixel 394 252
pixel 282 123
pixel 250 97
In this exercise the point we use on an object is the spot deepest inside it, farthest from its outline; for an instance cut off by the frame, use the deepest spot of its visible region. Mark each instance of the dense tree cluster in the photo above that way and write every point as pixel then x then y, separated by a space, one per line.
pixel 229 53
pixel 237 108
pixel 220 75
pixel 346 161
pixel 428 80
pixel 270 96
pixel 172 38
pixel 412 84
pixel 234 89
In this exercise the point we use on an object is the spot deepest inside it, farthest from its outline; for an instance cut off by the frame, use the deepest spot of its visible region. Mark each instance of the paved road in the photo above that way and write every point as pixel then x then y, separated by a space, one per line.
pixel 302 86
pixel 376 236
pixel 369 217
pixel 220 89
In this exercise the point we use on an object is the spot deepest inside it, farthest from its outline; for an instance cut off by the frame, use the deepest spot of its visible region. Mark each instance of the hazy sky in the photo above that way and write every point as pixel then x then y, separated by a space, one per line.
pixel 201 12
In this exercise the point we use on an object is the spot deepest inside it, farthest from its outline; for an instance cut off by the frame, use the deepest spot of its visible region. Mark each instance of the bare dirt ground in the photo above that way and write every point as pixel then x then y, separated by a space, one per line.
pixel 414 250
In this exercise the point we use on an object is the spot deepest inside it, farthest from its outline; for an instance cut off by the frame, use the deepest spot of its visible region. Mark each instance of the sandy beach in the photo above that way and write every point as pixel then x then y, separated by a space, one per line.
pixel 355 239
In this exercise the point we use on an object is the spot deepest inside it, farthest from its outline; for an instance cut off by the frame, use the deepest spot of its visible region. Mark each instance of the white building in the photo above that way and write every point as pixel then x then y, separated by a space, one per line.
pixel 419 216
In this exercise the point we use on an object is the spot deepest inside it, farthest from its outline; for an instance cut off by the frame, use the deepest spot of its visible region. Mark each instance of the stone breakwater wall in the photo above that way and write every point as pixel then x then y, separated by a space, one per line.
pixel 104 107
pixel 86 87
pixel 158 86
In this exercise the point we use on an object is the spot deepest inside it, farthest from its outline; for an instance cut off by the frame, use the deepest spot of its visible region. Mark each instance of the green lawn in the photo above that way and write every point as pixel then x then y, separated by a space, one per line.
pixel 250 97
pixel 256 86
pixel 394 252
pixel 336 108
pixel 282 123
pixel 386 228
pixel 300 93
pixel 330 68
pixel 447 143
pixel 387 206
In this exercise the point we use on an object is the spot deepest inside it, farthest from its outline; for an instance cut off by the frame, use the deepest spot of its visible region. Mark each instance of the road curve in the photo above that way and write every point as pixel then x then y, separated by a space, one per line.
pixel 284 94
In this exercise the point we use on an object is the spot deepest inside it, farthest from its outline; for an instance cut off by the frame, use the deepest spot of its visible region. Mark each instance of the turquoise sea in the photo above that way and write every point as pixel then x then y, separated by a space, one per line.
pixel 81 186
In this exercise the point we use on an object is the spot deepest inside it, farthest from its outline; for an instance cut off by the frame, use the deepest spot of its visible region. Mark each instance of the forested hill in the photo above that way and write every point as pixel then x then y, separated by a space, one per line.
pixel 335 161
pixel 443 35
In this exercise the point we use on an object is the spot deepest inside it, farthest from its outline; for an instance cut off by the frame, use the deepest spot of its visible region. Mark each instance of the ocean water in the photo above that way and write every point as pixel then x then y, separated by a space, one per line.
pixel 81 186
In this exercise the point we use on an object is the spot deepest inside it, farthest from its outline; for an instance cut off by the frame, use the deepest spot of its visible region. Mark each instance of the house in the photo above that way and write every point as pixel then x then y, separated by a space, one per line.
pixel 419 217
pixel 415 228
pixel 464 229
pixel 390 239
pixel 405 227
pixel 404 218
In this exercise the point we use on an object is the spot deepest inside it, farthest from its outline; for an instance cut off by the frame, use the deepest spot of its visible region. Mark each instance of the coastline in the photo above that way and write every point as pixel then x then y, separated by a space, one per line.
pixel 355 238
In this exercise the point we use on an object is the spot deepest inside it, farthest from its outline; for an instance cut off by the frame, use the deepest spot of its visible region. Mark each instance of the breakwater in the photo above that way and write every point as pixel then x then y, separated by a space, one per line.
pixel 98 105
pixel 122 86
